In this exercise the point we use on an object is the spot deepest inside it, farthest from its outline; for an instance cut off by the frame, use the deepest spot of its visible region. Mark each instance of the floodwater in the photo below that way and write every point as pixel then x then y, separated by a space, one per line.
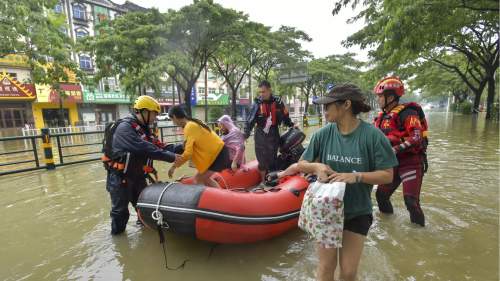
pixel 55 226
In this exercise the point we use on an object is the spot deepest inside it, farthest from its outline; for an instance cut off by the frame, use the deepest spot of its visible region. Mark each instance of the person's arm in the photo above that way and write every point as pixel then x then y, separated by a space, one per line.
pixel 413 127
pixel 382 167
pixel 308 162
pixel 126 139
pixel 251 119
pixel 240 151
pixel 322 171
pixel 375 177
pixel 177 148
pixel 286 117
pixel 191 135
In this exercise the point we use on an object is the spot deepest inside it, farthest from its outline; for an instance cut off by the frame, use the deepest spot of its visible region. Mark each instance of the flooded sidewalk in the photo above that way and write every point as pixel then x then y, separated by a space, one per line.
pixel 55 226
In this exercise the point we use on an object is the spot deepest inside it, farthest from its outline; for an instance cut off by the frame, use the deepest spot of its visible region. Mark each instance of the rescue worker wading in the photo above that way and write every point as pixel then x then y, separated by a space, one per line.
pixel 129 148
pixel 406 128
pixel 268 112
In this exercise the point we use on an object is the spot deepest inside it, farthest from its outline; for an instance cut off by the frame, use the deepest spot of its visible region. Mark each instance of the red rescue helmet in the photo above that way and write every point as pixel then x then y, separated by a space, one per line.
pixel 390 83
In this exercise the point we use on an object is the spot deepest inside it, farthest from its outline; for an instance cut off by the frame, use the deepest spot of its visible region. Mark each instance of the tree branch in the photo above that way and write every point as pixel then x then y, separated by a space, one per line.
pixel 456 70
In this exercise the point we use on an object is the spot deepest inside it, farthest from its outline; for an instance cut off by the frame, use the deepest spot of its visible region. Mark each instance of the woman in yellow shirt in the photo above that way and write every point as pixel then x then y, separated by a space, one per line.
pixel 202 146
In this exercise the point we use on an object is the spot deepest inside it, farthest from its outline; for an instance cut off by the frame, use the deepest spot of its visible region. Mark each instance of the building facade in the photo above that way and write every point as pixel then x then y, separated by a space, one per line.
pixel 107 101
pixel 17 95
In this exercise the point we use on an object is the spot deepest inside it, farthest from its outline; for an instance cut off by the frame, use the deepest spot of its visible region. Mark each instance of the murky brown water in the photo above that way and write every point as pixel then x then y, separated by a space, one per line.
pixel 55 226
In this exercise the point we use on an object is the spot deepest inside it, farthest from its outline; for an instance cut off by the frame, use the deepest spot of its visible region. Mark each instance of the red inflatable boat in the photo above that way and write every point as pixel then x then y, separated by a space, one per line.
pixel 235 213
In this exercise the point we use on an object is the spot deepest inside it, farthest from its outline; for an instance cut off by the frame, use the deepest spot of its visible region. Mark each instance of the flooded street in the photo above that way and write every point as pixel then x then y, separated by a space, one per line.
pixel 55 226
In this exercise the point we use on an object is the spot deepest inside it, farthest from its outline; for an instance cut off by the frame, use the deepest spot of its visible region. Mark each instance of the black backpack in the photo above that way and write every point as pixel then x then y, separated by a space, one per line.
pixel 107 141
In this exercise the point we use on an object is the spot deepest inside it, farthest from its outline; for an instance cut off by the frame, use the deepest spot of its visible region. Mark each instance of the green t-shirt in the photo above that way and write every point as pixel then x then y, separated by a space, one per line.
pixel 366 149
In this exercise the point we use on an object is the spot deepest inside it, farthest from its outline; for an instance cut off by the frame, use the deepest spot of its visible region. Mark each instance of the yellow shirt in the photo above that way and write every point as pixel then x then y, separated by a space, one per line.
pixel 202 146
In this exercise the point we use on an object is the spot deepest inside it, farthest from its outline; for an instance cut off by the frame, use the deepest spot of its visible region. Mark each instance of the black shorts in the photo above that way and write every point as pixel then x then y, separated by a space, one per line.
pixel 360 224
pixel 222 161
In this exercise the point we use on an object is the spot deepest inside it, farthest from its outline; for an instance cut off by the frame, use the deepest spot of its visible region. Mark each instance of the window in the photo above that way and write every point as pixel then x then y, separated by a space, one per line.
pixel 201 90
pixel 85 62
pixel 79 11
pixel 221 91
pixel 80 33
pixel 211 91
pixel 12 74
pixel 58 8
pixel 109 84
pixel 12 118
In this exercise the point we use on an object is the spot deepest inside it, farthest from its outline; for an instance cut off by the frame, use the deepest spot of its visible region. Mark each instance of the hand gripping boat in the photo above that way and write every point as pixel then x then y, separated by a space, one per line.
pixel 235 213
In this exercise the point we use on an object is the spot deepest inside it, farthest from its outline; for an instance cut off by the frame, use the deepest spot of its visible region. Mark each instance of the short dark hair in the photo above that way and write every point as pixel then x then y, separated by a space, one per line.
pixel 265 83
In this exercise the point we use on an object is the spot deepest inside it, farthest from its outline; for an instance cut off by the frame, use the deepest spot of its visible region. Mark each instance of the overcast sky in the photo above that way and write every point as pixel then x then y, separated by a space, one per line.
pixel 312 16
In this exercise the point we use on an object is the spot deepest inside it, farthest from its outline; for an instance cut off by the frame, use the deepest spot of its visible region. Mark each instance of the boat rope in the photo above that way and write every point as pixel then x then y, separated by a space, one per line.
pixel 158 217
pixel 226 186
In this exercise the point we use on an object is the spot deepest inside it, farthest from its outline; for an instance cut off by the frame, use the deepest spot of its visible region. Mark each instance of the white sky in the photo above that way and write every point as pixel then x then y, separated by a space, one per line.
pixel 311 16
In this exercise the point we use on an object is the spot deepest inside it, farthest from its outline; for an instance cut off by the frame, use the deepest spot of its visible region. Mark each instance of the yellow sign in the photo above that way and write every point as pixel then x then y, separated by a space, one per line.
pixel 14 60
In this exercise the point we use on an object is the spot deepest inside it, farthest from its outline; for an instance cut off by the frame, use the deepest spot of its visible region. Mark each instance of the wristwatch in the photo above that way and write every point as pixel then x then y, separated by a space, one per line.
pixel 359 177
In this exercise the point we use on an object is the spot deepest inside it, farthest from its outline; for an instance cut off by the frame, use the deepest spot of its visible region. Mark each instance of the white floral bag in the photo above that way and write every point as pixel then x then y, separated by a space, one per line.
pixel 322 213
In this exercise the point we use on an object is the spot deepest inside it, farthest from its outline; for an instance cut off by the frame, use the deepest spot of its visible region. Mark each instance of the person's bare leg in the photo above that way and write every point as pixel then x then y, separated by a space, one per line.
pixel 327 263
pixel 262 177
pixel 350 254
pixel 205 178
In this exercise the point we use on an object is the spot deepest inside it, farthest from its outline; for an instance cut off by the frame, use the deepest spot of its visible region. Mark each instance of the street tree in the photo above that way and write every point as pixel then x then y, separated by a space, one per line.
pixel 131 47
pixel 236 56
pixel 283 46
pixel 195 34
pixel 400 33
pixel 32 29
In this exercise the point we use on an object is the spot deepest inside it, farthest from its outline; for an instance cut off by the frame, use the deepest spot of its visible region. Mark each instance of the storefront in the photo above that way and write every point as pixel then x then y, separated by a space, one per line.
pixel 46 110
pixel 15 104
pixel 103 107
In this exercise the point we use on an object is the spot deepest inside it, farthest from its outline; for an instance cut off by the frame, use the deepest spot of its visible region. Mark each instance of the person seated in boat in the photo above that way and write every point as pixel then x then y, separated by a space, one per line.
pixel 202 145
pixel 234 140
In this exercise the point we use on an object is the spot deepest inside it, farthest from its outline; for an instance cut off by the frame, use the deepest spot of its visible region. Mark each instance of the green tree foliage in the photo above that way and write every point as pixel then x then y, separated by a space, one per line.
pixel 282 46
pixel 236 56
pixel 195 34
pixel 131 46
pixel 31 28
pixel 405 32
pixel 334 69
pixel 432 80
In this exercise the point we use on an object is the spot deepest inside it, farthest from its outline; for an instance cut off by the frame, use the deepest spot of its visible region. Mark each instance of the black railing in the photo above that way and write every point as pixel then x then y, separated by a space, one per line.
pixel 64 143
pixel 20 159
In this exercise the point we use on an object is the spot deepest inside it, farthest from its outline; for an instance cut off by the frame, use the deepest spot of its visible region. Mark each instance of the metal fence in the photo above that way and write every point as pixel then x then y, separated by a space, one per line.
pixel 53 147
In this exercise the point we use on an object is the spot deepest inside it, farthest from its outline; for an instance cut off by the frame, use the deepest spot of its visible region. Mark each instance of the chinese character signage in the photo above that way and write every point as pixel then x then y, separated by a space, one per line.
pixel 193 96
pixel 105 97
pixel 71 93
pixel 11 89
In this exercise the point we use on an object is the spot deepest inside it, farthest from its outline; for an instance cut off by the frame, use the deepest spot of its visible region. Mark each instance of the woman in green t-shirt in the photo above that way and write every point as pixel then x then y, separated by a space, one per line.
pixel 352 151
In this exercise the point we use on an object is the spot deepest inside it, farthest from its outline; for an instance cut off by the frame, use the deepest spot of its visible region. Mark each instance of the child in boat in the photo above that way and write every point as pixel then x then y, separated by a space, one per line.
pixel 234 140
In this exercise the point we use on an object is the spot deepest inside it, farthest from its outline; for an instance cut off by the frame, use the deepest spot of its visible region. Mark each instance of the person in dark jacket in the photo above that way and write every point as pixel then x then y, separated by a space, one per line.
pixel 134 147
pixel 267 114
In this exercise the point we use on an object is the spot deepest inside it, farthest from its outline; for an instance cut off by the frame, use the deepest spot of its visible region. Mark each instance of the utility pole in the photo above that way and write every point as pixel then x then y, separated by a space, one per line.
pixel 173 92
pixel 206 93
pixel 250 81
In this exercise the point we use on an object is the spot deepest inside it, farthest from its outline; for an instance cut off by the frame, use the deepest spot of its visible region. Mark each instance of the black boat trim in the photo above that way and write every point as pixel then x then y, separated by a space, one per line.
pixel 226 217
